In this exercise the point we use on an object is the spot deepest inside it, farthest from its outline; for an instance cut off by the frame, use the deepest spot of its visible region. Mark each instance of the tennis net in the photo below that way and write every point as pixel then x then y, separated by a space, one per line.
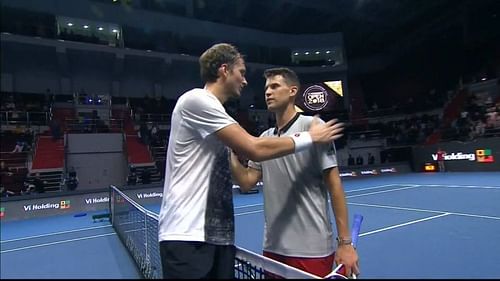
pixel 137 228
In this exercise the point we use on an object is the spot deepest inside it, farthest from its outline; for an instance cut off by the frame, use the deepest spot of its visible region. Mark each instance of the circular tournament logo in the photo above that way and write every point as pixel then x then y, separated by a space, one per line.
pixel 315 98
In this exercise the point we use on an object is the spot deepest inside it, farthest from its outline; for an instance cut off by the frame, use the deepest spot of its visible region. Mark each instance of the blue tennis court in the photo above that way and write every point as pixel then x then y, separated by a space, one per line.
pixel 415 226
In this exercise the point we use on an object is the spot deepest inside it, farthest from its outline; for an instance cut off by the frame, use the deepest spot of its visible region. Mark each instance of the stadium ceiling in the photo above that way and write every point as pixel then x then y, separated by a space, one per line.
pixel 367 25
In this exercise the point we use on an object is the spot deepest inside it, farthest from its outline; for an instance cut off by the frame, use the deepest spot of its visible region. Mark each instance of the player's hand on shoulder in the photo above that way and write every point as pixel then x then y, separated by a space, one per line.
pixel 325 132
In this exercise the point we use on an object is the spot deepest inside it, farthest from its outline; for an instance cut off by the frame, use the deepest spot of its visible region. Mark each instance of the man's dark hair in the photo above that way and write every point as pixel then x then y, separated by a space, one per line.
pixel 214 57
pixel 289 75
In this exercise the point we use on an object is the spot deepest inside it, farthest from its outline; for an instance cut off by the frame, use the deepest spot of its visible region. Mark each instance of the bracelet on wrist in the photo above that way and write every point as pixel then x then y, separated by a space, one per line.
pixel 344 241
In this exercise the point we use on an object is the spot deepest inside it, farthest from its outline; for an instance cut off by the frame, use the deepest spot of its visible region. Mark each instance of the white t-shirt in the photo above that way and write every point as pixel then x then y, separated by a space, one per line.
pixel 197 202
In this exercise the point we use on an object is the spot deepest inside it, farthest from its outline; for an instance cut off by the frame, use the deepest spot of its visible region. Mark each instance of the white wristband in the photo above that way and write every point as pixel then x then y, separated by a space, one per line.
pixel 302 141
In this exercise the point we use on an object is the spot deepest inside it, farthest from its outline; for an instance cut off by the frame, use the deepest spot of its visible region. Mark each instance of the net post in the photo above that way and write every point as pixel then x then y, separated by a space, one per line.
pixel 110 204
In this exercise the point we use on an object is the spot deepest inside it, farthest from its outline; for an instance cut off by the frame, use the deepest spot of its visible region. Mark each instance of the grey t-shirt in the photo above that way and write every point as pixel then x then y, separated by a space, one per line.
pixel 297 217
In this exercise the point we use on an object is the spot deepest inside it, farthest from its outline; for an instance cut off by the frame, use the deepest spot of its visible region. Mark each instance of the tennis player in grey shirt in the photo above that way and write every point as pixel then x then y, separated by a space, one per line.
pixel 298 229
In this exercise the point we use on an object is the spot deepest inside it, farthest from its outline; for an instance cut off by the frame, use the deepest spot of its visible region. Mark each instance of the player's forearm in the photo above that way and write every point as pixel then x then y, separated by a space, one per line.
pixel 241 174
pixel 266 148
pixel 254 148
pixel 341 214
pixel 339 206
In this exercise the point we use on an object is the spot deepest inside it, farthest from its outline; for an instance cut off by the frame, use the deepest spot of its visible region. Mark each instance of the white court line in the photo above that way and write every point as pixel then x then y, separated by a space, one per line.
pixel 55 233
pixel 424 210
pixel 248 213
pixel 402 224
pixel 383 191
pixel 373 187
pixel 54 243
pixel 456 185
pixel 248 206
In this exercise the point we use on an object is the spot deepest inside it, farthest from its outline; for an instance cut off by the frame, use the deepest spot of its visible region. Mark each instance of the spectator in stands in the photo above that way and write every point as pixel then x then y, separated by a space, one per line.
pixel 440 158
pixel 155 137
pixel 492 116
pixel 55 129
pixel 28 137
pixel 350 160
pixel 146 176
pixel 139 111
pixel 28 186
pixel 359 160
pixel 4 192
pixel 19 147
pixel 160 164
pixel 143 133
pixel 132 176
pixel 71 180
pixel 371 159
pixel 39 184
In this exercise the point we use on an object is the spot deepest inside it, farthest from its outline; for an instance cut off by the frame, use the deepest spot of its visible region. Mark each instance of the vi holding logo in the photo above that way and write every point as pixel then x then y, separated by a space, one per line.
pixel 65 204
pixel 2 212
pixel 484 156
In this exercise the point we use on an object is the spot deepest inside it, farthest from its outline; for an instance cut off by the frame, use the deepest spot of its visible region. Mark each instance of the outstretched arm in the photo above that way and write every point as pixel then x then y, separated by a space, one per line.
pixel 265 148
